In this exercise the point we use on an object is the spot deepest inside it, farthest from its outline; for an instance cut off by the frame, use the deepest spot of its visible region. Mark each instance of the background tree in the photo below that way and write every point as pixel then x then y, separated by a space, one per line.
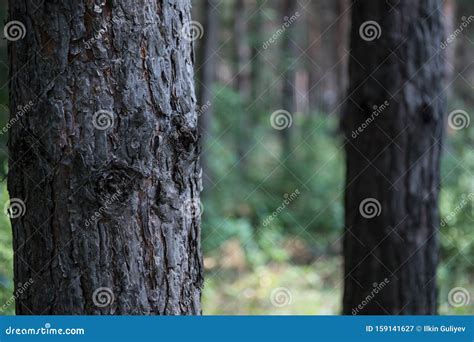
pixel 206 69
pixel 393 181
pixel 289 51
pixel 106 160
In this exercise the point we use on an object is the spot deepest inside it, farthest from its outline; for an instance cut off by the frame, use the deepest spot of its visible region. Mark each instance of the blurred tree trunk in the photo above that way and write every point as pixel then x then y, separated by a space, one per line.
pixel 206 77
pixel 449 10
pixel 257 66
pixel 392 184
pixel 288 56
pixel 242 76
pixel 341 35
pixel 315 69
pixel 107 159
pixel 327 32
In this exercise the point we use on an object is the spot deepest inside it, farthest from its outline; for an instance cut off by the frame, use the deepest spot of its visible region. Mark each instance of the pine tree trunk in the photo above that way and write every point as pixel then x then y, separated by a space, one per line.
pixel 106 161
pixel 391 201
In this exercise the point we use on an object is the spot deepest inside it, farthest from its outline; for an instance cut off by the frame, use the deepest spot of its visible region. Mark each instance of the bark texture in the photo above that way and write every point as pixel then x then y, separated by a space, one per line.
pixel 111 208
pixel 394 160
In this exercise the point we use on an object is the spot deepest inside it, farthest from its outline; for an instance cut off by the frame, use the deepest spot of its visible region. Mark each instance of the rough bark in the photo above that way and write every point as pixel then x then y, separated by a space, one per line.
pixel 395 160
pixel 109 208
pixel 206 74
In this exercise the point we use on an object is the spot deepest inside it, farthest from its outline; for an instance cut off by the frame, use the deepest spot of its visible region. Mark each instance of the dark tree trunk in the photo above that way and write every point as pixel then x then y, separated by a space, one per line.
pixel 206 72
pixel 394 161
pixel 110 225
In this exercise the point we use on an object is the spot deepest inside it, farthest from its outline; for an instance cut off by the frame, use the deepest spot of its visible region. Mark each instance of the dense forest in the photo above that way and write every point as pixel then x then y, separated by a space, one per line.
pixel 184 157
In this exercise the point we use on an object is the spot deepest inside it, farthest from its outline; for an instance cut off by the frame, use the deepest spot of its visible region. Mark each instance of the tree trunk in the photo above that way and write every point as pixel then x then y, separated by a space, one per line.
pixel 289 52
pixel 206 72
pixel 106 161
pixel 391 199
pixel 242 76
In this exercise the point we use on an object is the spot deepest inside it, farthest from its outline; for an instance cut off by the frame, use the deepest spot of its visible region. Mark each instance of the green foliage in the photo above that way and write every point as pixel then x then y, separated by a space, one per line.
pixel 6 256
